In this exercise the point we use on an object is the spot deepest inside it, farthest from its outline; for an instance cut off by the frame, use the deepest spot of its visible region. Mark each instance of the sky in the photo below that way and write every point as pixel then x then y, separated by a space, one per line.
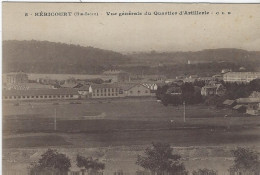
pixel 137 33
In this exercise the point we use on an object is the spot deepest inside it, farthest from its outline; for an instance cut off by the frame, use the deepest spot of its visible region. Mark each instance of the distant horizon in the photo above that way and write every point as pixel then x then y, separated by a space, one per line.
pixel 134 52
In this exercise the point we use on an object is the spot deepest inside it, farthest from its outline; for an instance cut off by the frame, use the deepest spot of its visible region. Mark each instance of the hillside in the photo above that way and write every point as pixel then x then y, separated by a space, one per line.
pixel 204 56
pixel 49 57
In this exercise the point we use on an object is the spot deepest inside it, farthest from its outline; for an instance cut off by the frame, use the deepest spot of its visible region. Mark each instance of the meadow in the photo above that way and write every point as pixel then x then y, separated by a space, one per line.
pixel 128 122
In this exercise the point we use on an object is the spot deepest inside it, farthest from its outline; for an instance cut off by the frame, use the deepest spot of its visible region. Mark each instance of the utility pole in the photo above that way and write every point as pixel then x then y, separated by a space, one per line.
pixel 184 114
pixel 55 120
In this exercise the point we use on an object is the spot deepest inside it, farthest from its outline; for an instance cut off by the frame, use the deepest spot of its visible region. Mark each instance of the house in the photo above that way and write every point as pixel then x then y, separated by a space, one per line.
pixel 252 104
pixel 151 86
pixel 240 108
pixel 83 90
pixel 135 90
pixel 42 94
pixel 104 91
pixel 223 71
pixel 229 103
pixel 240 77
pixel 191 79
pixel 253 109
pixel 214 89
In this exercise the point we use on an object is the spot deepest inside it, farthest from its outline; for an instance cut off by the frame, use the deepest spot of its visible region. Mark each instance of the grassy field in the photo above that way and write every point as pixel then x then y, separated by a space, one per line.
pixel 124 129
pixel 34 141
pixel 131 123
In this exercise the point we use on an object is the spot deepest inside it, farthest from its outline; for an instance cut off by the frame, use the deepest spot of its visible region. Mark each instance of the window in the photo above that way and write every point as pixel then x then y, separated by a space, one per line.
pixel 32 96
pixel 45 96
pixel 14 97
pixel 19 96
pixel 97 91
pixel 71 95
pixel 108 94
pixel 6 97
pixel 113 94
pixel 28 96
pixel 67 96
pixel 116 94
pixel 37 96
pixel 93 94
pixel 131 92
pixel 58 96
pixel 49 96
pixel 23 96
pixel 138 92
pixel 41 96
pixel 97 94
pixel 146 91
pixel 112 90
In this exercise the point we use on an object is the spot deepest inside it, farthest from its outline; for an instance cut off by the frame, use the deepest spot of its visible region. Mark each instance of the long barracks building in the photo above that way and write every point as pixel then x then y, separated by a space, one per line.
pixel 240 77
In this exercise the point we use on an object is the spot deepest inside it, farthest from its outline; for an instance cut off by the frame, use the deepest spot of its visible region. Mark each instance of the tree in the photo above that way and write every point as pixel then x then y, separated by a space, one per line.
pixel 246 161
pixel 160 160
pixel 204 172
pixel 52 161
pixel 89 163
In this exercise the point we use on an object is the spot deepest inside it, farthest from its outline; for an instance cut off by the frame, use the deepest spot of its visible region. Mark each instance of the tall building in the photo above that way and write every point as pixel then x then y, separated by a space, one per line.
pixel 240 77
pixel 17 77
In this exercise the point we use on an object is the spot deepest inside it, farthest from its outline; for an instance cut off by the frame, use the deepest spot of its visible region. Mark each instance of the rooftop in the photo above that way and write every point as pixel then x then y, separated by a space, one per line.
pixel 228 102
pixel 40 92
pixel 238 106
pixel 248 100
pixel 111 85
pixel 244 73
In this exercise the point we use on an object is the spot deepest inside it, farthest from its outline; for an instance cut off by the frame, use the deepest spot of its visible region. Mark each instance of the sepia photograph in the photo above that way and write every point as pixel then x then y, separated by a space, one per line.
pixel 130 89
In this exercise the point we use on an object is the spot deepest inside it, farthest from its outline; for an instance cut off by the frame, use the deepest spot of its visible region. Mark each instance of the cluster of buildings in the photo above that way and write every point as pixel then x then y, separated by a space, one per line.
pixel 250 105
pixel 18 87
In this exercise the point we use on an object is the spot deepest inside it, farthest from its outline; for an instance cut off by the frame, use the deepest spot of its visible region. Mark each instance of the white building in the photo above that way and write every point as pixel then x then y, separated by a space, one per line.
pixel 240 77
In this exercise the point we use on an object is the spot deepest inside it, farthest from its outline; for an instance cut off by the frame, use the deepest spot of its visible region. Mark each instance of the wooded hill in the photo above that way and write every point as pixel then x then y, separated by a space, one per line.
pixel 50 57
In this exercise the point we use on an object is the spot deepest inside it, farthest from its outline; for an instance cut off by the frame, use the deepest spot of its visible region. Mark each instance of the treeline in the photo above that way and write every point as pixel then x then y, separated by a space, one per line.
pixel 200 69
pixel 191 93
